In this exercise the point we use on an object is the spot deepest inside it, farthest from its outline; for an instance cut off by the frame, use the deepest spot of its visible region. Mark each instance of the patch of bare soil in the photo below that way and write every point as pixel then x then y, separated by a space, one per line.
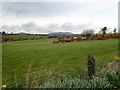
pixel 113 66
pixel 50 41
pixel 11 44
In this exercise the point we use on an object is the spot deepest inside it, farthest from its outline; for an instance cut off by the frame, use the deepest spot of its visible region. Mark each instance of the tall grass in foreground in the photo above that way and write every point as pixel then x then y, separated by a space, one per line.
pixel 106 79
pixel 109 79
pixel 49 79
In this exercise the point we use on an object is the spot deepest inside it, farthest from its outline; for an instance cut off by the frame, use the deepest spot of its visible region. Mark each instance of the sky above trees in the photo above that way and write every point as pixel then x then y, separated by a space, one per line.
pixel 46 17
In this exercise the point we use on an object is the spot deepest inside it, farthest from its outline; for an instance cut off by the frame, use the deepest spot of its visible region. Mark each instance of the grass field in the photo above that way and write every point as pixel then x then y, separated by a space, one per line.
pixel 6 38
pixel 22 36
pixel 46 57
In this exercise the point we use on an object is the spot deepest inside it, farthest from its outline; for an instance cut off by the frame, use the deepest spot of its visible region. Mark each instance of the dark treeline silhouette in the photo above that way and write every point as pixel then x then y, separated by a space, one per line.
pixel 5 33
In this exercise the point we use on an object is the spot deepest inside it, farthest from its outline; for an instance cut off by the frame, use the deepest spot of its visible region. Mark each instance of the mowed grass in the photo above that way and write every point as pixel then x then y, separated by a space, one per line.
pixel 43 55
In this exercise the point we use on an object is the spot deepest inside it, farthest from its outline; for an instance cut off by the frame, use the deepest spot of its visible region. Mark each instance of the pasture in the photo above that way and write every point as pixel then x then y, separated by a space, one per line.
pixel 44 57
pixel 6 38
pixel 22 36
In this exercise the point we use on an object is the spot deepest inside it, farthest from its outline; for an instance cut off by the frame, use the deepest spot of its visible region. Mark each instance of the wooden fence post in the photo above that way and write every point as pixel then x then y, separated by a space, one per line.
pixel 91 66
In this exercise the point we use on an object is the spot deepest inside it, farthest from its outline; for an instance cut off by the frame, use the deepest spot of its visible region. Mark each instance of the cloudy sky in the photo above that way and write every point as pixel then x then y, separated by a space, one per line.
pixel 46 17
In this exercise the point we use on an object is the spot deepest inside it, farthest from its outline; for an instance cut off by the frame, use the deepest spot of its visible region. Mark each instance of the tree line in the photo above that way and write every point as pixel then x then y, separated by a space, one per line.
pixel 87 32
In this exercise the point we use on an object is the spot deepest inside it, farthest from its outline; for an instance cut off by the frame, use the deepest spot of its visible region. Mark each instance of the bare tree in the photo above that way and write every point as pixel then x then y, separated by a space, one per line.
pixel 87 32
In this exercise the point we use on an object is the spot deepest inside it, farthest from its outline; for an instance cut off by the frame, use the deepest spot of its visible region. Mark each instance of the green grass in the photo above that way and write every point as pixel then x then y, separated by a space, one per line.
pixel 15 37
pixel 107 79
pixel 68 57
pixel 22 36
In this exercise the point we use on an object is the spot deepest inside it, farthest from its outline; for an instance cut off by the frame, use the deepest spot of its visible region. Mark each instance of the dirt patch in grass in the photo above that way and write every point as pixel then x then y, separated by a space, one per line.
pixel 112 66
pixel 11 44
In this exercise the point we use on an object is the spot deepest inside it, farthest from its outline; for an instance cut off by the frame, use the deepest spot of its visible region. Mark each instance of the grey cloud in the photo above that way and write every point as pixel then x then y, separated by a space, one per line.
pixel 31 27
pixel 13 28
pixel 62 9
pixel 54 25
pixel 41 9
pixel 29 24
pixel 72 27
pixel 82 26
pixel 67 25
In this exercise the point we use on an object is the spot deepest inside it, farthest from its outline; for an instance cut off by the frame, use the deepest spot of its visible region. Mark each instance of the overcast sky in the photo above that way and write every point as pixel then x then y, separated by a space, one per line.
pixel 46 17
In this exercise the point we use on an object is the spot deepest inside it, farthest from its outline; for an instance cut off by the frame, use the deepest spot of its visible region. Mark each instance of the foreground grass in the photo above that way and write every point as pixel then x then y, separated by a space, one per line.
pixel 47 58
pixel 107 79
